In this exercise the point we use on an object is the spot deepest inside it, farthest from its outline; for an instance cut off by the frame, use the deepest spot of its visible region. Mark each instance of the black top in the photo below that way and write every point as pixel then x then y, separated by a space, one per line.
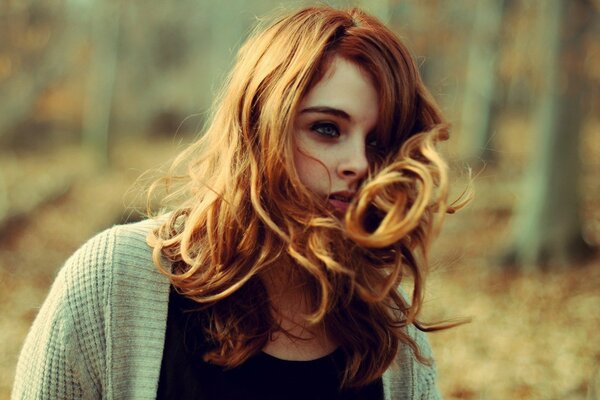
pixel 184 375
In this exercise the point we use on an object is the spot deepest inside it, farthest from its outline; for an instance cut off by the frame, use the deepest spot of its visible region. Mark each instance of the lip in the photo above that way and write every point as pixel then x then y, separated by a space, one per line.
pixel 340 201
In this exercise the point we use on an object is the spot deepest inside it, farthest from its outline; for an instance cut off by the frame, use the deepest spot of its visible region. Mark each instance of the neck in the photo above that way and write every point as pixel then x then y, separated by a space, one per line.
pixel 295 338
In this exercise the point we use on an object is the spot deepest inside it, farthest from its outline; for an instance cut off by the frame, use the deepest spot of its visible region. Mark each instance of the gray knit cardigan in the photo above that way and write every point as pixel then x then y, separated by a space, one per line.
pixel 100 332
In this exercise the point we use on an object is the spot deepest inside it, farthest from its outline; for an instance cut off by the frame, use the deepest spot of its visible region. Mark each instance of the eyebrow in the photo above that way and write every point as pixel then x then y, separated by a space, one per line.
pixel 327 110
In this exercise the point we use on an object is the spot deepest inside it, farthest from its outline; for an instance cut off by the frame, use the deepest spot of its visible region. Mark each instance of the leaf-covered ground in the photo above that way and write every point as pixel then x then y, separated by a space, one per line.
pixel 533 335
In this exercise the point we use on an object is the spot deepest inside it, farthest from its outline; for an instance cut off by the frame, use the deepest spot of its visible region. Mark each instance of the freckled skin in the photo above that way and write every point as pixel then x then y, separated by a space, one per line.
pixel 332 130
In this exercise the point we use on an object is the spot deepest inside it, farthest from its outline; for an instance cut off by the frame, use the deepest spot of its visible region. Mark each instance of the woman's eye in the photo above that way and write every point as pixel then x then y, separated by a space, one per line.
pixel 326 129
pixel 372 143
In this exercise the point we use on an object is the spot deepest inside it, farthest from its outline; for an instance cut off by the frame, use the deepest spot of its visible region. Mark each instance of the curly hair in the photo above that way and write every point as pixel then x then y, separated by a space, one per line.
pixel 239 207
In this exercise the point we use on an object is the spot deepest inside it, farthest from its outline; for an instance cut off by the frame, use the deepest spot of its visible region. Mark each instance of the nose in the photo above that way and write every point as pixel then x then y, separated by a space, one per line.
pixel 354 164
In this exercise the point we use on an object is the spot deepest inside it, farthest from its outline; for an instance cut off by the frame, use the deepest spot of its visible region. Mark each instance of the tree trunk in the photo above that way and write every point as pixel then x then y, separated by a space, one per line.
pixel 227 30
pixel 547 228
pixel 480 97
pixel 102 74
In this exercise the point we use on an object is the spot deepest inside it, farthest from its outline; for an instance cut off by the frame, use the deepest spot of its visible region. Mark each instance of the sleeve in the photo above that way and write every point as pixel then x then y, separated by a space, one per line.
pixel 425 374
pixel 46 366
pixel 63 353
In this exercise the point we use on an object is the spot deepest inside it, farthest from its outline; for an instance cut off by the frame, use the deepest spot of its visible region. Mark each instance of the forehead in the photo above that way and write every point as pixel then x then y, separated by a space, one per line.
pixel 344 86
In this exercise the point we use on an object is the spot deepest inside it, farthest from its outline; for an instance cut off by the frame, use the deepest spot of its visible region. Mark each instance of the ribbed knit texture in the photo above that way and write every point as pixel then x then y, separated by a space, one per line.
pixel 100 332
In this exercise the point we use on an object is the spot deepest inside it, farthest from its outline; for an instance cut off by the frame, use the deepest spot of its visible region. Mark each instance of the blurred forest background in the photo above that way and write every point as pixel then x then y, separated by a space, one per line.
pixel 94 93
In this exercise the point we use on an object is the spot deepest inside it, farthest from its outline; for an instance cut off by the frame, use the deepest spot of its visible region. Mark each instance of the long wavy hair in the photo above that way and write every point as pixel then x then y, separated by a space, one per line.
pixel 238 208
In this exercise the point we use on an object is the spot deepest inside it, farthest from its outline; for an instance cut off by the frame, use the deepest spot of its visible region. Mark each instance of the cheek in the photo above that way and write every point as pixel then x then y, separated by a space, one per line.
pixel 306 167
pixel 312 170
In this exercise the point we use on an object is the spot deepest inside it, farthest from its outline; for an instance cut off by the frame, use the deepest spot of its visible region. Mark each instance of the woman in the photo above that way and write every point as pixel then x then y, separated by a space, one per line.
pixel 275 272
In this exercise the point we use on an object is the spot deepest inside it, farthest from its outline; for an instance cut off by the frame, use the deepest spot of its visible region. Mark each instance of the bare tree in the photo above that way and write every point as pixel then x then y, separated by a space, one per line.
pixel 480 96
pixel 227 31
pixel 547 228
pixel 102 75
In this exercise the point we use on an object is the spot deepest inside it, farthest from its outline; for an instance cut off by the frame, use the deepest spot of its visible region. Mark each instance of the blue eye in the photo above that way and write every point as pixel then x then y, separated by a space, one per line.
pixel 372 143
pixel 326 129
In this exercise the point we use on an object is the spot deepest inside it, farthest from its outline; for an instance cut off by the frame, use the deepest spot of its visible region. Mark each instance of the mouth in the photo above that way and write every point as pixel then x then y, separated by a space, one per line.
pixel 340 201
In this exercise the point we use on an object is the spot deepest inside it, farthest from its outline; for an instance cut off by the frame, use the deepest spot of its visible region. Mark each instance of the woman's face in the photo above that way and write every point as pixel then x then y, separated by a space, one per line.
pixel 334 132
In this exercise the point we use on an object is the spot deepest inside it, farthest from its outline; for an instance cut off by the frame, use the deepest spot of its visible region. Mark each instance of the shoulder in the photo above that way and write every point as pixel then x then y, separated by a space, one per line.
pixel 425 374
pixel 104 293
pixel 104 272
pixel 93 267
pixel 112 294
pixel 408 378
